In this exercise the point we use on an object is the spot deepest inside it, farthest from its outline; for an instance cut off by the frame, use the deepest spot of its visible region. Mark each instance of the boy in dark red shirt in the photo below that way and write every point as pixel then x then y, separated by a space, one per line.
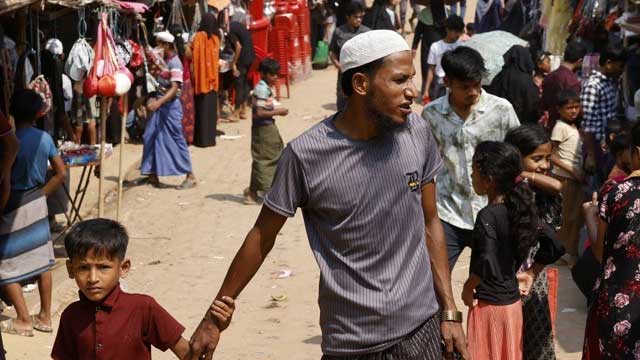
pixel 108 323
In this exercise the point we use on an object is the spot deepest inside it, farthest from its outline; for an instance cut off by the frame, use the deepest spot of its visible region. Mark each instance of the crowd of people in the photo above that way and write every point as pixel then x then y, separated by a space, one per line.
pixel 537 167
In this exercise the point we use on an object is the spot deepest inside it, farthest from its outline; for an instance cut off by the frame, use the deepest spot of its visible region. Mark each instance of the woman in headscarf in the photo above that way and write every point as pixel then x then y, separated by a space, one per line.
pixel 206 53
pixel 165 151
pixel 515 83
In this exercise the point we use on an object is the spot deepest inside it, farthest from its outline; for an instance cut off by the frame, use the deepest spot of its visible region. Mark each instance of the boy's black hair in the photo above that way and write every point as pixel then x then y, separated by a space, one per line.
pixel 620 143
pixel 454 23
pixel 25 106
pixel 566 96
pixel 471 27
pixel 635 134
pixel 574 52
pixel 102 236
pixel 347 77
pixel 612 54
pixel 269 66
pixel 354 7
pixel 464 63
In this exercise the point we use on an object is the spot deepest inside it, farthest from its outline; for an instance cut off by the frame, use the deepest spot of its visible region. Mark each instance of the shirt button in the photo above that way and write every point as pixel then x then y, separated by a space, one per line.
pixel 99 346
pixel 97 308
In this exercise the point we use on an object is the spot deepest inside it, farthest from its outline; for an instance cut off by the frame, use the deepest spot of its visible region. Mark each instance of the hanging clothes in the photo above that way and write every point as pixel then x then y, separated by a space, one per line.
pixel 558 28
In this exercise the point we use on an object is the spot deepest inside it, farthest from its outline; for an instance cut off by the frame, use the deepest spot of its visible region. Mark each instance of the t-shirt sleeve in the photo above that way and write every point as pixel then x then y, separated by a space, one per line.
pixel 433 162
pixel 262 92
pixel 52 151
pixel 64 347
pixel 5 127
pixel 559 133
pixel 162 330
pixel 288 190
pixel 484 250
pixel 433 56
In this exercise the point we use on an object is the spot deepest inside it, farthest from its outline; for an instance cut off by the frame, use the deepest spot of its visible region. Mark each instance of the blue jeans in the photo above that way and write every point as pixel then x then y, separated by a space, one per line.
pixel 457 239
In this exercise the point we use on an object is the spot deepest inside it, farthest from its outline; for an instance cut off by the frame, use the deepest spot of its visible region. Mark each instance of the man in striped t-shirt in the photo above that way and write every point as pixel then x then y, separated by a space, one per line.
pixel 365 181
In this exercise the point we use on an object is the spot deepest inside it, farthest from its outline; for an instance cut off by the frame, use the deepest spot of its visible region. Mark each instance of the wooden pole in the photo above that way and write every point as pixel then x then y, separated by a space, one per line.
pixel 103 143
pixel 125 111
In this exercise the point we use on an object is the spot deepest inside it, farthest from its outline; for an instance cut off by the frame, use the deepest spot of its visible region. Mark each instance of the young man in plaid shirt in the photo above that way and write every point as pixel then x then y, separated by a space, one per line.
pixel 599 100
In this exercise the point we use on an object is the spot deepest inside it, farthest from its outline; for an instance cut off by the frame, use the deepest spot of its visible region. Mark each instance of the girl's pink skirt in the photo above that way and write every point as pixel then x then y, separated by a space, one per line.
pixel 495 331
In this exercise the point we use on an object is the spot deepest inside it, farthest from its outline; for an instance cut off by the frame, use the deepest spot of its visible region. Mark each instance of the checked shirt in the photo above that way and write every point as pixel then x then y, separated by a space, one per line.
pixel 599 98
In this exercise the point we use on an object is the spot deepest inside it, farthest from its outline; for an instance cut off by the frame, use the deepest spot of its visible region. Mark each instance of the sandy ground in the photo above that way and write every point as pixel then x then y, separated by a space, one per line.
pixel 183 241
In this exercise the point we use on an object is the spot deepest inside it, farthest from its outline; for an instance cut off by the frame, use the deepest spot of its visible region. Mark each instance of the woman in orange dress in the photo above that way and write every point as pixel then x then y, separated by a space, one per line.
pixel 206 54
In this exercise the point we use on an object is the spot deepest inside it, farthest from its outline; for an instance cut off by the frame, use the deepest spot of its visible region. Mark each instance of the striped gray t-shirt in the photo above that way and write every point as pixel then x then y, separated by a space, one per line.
pixel 362 207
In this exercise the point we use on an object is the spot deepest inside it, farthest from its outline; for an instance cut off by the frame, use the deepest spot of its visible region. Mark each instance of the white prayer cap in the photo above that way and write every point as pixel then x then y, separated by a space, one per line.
pixel 370 46
pixel 165 36
pixel 54 46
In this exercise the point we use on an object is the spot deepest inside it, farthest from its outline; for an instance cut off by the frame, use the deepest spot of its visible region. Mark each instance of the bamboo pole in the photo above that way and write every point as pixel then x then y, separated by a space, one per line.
pixel 103 143
pixel 125 111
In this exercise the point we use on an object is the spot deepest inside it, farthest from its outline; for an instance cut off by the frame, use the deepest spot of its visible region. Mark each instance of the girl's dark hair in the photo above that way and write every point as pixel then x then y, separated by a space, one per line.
pixel 620 143
pixel 503 164
pixel 210 25
pixel 177 31
pixel 527 138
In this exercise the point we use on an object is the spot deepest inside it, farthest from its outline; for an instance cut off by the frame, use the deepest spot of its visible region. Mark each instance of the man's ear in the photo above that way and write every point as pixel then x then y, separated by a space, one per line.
pixel 125 266
pixel 360 83
pixel 70 269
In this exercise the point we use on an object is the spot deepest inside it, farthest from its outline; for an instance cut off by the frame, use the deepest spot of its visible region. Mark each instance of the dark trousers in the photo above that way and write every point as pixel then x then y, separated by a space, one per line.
pixel 241 86
pixel 427 34
pixel 457 239
pixel 424 343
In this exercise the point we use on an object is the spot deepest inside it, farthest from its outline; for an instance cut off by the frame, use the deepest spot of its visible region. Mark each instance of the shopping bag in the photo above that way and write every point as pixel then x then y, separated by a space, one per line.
pixel 321 57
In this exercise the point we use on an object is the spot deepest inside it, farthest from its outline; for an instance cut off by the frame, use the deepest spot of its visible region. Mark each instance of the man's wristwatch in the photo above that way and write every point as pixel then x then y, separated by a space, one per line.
pixel 452 315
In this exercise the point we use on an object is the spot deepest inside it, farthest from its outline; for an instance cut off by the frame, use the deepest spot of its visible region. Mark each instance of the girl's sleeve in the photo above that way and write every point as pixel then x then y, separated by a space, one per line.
pixel 484 249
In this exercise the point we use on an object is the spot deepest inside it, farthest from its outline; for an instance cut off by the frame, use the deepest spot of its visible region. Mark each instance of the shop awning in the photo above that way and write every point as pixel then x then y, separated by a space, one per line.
pixel 11 5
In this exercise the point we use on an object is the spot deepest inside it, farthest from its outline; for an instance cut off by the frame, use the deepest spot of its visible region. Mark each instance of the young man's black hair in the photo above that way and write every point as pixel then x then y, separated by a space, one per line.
pixel 347 77
pixel 454 23
pixel 620 143
pixel 463 63
pixel 614 128
pixel 269 66
pixel 102 236
pixel 574 52
pixel 353 8
pixel 25 105
pixel 613 54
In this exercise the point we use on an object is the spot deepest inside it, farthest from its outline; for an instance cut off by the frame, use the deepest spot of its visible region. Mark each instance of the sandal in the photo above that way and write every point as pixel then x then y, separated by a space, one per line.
pixel 8 328
pixel 187 184
pixel 37 325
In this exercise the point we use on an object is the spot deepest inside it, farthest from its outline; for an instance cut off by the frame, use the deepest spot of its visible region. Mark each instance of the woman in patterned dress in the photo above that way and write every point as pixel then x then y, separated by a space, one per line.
pixel 613 323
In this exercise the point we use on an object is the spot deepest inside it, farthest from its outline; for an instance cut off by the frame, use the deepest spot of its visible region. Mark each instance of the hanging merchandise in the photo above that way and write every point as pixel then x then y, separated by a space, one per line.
pixel 80 56
pixel 41 86
pixel 136 54
pixel 107 77
pixel 151 82
pixel 176 17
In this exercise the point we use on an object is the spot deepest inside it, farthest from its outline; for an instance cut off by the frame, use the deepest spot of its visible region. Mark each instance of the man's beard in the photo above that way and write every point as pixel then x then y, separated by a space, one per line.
pixel 383 122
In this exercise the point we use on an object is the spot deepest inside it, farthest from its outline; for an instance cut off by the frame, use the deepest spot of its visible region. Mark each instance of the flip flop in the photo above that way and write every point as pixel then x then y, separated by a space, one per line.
pixel 37 325
pixel 8 328
pixel 186 184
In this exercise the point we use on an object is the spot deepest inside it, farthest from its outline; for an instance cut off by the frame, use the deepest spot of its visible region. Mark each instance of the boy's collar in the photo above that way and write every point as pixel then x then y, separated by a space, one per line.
pixel 108 302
